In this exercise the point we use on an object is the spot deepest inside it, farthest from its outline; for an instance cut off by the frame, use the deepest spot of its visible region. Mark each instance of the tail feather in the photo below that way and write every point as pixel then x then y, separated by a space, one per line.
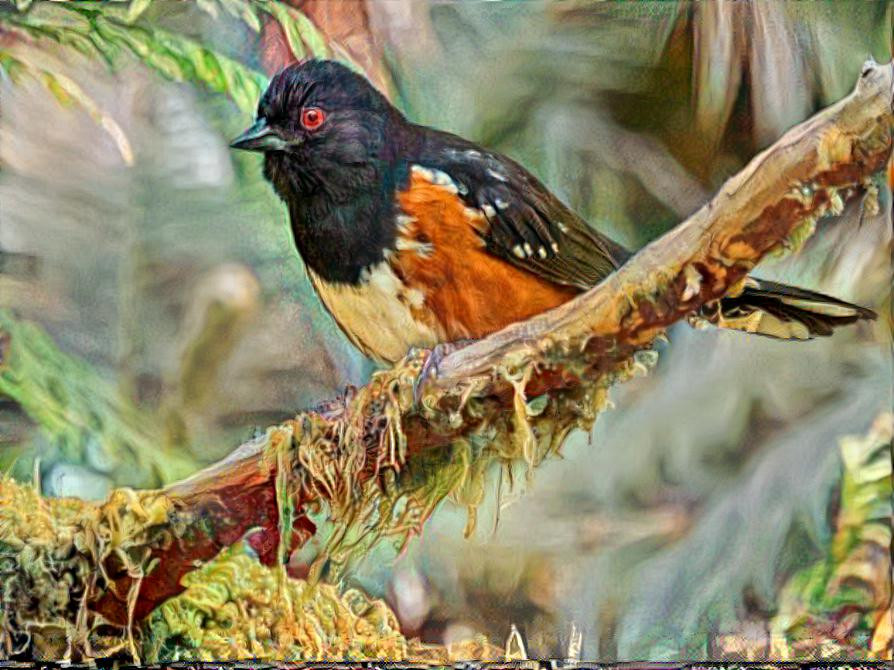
pixel 782 311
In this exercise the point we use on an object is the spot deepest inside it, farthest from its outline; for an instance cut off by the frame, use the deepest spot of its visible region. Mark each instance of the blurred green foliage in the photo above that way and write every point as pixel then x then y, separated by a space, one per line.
pixel 81 415
pixel 850 589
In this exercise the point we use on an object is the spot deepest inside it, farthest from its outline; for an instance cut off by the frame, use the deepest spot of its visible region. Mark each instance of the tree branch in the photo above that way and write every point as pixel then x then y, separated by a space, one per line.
pixel 382 464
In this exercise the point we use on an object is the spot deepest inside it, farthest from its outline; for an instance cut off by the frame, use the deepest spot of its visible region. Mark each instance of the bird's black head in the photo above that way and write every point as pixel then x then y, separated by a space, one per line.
pixel 321 126
pixel 331 144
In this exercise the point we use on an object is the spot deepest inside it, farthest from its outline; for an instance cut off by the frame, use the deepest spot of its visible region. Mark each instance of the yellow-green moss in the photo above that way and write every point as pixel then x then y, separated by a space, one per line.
pixel 53 557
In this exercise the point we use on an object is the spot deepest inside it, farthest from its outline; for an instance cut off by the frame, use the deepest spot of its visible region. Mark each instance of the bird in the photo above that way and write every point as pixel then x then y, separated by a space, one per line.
pixel 416 238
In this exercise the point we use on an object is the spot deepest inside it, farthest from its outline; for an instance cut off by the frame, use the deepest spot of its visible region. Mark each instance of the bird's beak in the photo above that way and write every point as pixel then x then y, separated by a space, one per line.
pixel 260 137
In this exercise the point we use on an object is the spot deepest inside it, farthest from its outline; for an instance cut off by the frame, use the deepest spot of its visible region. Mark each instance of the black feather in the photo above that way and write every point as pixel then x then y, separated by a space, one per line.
pixel 521 210
pixel 818 312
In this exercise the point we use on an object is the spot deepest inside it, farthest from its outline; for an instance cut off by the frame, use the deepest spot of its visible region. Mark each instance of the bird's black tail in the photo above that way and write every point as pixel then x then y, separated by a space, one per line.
pixel 781 311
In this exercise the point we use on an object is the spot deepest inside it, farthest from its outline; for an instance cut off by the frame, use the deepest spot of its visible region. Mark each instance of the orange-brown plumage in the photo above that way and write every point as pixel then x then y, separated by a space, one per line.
pixel 468 291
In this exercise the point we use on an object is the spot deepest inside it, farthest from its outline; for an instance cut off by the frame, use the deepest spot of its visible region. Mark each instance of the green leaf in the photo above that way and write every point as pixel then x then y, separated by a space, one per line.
pixel 136 8
pixel 293 35
pixel 12 66
pixel 240 9
pixel 97 30
pixel 58 91
pixel 312 36
pixel 303 36
pixel 249 16
pixel 219 73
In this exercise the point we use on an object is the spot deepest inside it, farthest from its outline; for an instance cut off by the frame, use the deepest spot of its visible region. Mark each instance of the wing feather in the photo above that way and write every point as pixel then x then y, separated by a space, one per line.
pixel 527 225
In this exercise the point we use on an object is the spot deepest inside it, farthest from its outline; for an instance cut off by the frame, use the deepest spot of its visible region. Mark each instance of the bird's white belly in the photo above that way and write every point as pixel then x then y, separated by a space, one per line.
pixel 378 314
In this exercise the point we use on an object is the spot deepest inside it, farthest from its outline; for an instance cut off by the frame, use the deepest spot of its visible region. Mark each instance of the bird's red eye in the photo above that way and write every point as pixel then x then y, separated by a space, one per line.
pixel 312 117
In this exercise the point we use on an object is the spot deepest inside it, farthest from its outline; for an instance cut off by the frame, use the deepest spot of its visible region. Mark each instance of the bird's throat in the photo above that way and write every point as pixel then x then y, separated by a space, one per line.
pixel 342 216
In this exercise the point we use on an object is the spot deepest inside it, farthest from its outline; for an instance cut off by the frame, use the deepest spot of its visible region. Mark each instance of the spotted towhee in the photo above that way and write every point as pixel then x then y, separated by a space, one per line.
pixel 414 237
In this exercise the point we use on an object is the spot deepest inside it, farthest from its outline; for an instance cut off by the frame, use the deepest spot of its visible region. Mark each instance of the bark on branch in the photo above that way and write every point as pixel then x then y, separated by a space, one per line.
pixel 381 463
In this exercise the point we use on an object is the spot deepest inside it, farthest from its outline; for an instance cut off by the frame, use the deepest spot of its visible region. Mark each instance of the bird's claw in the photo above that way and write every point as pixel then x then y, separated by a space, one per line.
pixel 429 371
pixel 431 364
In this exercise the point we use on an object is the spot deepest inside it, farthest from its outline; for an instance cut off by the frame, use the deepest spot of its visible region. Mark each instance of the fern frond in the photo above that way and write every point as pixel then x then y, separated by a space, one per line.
pixel 107 34
pixel 110 32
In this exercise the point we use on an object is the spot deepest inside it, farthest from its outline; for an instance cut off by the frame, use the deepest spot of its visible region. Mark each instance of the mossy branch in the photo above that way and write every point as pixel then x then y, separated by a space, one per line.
pixel 381 463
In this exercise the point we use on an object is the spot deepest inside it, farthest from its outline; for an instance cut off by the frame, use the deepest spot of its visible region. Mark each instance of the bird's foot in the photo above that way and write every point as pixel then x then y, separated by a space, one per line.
pixel 430 366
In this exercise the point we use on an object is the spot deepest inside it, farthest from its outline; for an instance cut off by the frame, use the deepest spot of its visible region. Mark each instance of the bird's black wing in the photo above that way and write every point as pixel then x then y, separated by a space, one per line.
pixel 528 226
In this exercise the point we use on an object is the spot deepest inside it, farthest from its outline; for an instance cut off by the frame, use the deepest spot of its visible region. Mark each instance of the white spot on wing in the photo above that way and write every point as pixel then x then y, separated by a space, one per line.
pixel 425 173
pixel 436 177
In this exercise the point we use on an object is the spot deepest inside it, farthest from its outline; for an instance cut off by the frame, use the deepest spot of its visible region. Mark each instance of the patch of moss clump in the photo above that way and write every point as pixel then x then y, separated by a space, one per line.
pixel 235 608
pixel 55 554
